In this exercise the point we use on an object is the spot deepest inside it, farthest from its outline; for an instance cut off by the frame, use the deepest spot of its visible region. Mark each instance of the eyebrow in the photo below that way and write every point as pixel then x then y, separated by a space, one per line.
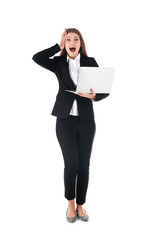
pixel 70 36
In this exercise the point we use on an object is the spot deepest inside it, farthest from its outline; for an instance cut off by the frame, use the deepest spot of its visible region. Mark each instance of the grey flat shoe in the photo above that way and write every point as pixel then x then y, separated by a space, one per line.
pixel 83 218
pixel 71 219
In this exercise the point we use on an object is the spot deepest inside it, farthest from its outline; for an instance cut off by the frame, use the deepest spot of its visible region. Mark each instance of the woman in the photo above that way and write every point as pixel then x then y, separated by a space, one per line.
pixel 75 124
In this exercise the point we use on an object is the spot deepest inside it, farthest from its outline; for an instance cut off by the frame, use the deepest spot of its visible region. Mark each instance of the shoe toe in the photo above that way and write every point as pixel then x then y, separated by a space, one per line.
pixel 71 219
pixel 83 218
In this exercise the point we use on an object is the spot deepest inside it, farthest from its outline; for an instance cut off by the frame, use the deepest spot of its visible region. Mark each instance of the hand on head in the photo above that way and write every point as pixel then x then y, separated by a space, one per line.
pixel 63 38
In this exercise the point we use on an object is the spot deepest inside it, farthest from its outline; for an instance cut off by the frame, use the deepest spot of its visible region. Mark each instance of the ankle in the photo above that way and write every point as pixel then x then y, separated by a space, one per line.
pixel 71 204
pixel 79 207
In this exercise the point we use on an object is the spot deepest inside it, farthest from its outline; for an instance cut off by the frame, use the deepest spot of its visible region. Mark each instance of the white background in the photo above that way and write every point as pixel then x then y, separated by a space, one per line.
pixel 32 203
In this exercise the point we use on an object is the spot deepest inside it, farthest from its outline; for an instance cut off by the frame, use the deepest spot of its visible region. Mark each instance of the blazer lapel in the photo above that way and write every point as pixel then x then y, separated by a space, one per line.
pixel 68 80
pixel 83 61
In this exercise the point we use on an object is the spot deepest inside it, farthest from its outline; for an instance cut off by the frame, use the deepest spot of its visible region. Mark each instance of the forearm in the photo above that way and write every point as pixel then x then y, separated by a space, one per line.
pixel 43 59
pixel 46 53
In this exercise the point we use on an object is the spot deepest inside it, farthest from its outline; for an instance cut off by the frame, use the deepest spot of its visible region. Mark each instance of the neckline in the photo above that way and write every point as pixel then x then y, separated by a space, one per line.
pixel 77 57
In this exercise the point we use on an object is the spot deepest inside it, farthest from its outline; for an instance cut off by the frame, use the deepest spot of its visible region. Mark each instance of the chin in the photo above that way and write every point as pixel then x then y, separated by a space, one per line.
pixel 73 55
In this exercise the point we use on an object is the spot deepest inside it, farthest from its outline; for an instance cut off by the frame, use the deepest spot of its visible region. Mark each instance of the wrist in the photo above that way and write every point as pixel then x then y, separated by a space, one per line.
pixel 93 97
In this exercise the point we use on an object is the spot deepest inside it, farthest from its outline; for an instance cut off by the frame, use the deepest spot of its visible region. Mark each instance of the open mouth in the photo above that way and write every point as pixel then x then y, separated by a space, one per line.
pixel 72 49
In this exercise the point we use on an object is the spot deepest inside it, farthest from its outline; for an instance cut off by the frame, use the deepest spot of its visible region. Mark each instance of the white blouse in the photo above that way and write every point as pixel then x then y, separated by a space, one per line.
pixel 74 65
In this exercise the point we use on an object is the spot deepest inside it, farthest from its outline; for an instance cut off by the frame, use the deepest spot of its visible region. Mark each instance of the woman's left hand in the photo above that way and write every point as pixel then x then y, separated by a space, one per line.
pixel 87 95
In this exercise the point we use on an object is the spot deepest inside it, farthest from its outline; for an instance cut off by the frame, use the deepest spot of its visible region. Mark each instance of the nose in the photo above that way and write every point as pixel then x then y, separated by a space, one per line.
pixel 72 42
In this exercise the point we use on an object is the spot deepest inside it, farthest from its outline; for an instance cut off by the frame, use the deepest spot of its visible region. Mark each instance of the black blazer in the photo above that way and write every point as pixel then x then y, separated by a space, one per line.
pixel 64 99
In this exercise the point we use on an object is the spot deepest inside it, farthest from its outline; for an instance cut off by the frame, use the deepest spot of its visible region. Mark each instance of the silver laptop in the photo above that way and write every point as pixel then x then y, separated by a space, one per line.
pixel 98 78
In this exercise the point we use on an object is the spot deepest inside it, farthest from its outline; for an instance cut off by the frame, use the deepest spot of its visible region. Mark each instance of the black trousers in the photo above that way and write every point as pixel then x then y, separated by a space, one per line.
pixel 75 137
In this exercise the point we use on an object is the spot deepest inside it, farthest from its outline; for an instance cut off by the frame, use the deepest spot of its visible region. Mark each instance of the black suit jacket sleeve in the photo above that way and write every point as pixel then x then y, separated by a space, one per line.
pixel 43 57
pixel 99 96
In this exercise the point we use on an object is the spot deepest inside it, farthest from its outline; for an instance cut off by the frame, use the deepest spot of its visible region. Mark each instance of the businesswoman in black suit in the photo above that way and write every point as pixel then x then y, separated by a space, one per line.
pixel 75 123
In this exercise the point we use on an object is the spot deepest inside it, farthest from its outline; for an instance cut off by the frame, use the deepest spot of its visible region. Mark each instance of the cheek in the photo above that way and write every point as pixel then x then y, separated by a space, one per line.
pixel 67 49
pixel 66 46
pixel 79 45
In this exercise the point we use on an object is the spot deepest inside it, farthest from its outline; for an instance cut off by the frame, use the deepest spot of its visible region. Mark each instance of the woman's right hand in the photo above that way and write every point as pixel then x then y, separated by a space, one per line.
pixel 63 38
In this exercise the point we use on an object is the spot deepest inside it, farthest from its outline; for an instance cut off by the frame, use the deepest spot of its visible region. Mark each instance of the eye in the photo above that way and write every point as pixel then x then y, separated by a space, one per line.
pixel 76 39
pixel 68 39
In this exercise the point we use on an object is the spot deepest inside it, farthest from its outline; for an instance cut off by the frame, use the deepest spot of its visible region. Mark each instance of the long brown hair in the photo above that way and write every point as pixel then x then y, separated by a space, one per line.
pixel 82 48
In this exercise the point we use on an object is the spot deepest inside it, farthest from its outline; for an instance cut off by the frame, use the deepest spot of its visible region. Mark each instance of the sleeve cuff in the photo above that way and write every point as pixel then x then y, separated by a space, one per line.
pixel 57 47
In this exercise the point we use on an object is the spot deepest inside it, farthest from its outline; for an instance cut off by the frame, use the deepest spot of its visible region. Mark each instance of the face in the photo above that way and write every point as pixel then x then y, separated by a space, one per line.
pixel 72 44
